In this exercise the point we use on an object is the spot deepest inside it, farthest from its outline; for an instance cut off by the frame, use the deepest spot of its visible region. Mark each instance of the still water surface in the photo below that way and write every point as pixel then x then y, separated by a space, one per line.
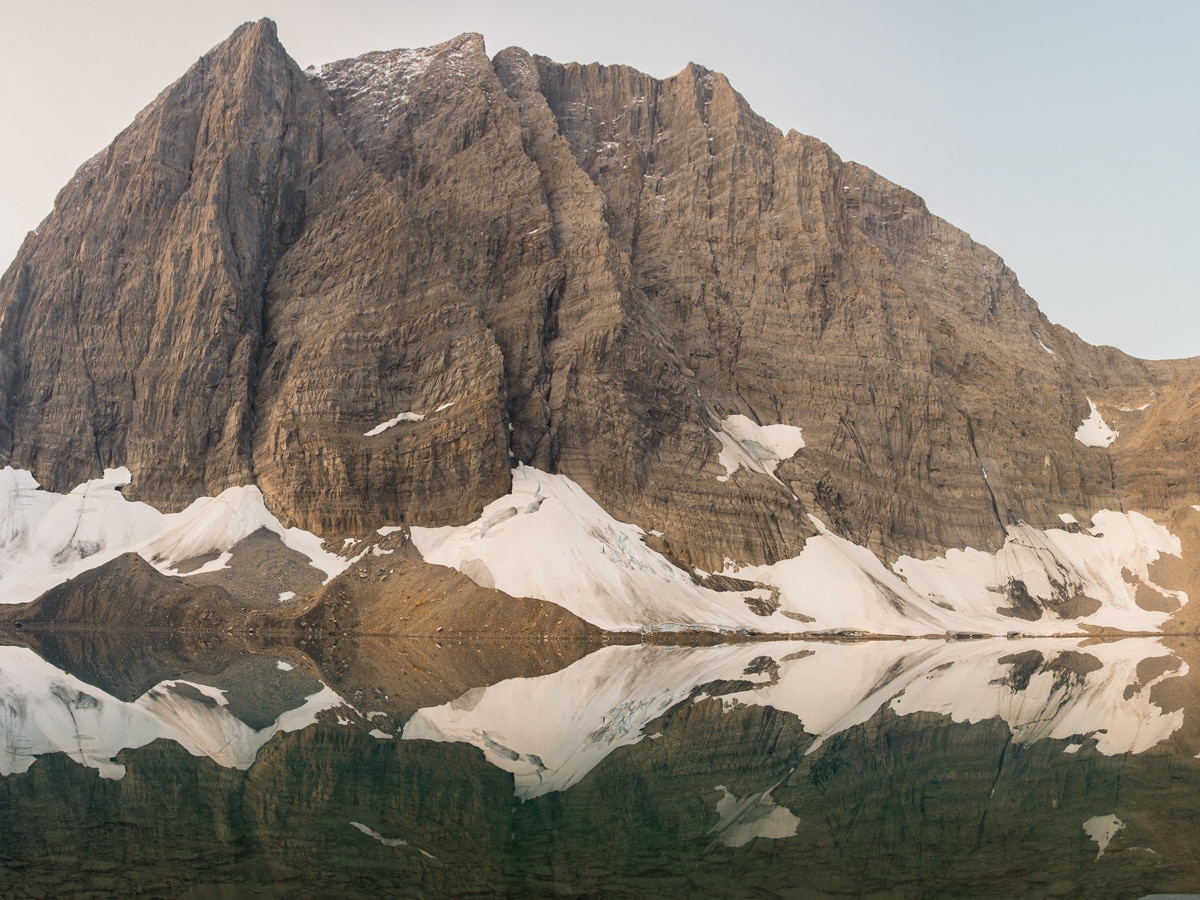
pixel 145 767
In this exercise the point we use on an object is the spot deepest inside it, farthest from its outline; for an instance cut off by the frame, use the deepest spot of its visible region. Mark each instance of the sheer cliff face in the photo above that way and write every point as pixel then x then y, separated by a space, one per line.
pixel 580 268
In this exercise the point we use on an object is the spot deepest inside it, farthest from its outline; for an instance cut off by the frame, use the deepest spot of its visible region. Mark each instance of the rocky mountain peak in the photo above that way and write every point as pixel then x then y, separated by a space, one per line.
pixel 374 288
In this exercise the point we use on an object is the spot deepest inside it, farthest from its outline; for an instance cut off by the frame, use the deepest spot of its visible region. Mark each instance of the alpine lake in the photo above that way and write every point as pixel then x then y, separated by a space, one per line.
pixel 151 765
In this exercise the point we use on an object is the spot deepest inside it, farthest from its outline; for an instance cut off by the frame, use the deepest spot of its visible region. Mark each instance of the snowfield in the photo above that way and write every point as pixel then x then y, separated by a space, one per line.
pixel 547 539
pixel 47 538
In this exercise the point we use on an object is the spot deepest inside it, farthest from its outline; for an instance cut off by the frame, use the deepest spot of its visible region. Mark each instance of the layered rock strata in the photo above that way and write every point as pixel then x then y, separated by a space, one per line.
pixel 374 287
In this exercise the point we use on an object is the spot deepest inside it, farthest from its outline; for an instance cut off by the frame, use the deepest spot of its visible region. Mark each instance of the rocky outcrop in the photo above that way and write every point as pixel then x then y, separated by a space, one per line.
pixel 126 594
pixel 131 319
pixel 371 288
pixel 391 592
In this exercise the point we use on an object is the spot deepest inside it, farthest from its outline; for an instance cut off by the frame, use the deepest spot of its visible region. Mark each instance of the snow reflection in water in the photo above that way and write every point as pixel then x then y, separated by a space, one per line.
pixel 46 710
pixel 971 768
pixel 1065 689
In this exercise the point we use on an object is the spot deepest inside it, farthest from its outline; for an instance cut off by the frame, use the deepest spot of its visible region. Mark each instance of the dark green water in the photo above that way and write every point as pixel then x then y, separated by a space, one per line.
pixel 909 769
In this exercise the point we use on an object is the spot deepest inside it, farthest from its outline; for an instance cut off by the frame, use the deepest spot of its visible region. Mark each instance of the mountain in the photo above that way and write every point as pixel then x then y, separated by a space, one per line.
pixel 590 337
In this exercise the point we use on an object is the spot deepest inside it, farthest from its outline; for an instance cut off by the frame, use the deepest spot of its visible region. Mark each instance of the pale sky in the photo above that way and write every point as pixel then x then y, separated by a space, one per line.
pixel 1064 135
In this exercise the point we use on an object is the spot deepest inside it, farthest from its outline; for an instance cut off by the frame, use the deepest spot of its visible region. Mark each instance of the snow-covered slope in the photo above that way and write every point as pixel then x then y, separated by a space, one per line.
pixel 549 540
pixel 1059 689
pixel 46 538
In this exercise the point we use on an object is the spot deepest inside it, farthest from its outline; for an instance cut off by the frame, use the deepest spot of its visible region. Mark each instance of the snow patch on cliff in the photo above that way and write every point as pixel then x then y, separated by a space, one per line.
pixel 756 815
pixel 1094 431
pixel 1102 829
pixel 393 422
pixel 759 448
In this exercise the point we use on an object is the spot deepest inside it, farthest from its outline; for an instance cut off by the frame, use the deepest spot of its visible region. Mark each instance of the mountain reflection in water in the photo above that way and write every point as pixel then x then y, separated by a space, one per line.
pixel 1056 767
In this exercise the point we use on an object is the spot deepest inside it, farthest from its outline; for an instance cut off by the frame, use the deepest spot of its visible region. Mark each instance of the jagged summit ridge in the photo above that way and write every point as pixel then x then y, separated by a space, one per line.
pixel 576 267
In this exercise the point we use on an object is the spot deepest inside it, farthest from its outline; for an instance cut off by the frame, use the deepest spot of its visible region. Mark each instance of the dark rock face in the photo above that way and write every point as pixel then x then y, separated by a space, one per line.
pixel 581 268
